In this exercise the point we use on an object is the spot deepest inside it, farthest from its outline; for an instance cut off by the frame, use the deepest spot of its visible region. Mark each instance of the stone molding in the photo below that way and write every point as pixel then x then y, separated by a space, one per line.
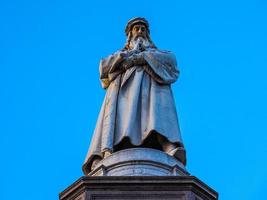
pixel 139 162
pixel 139 187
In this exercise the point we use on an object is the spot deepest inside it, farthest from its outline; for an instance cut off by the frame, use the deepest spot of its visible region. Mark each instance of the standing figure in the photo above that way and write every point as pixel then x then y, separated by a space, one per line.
pixel 139 108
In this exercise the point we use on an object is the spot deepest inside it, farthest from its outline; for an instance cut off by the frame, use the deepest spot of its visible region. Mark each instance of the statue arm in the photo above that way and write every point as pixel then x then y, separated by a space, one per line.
pixel 133 59
pixel 161 66
pixel 109 68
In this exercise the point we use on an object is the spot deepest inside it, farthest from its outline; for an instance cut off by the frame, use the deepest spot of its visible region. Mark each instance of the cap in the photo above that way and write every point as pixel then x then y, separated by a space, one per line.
pixel 135 21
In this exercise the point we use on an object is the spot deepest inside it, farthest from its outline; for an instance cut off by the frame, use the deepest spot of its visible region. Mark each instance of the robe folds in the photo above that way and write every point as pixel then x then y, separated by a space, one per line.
pixel 138 102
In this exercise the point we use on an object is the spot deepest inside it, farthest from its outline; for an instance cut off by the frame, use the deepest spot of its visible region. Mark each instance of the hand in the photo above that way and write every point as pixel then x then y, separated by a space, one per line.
pixel 133 52
pixel 126 64
pixel 138 59
pixel 135 59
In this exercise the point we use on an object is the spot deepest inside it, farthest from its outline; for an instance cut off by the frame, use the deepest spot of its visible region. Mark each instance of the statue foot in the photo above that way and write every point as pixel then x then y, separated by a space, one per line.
pixel 97 159
pixel 95 162
pixel 179 153
pixel 107 153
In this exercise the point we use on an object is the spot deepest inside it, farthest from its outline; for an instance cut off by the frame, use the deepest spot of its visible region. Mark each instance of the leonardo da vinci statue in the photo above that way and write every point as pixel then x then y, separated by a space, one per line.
pixel 139 109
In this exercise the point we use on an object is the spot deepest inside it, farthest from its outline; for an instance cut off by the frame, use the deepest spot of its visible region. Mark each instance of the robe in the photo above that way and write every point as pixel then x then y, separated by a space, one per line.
pixel 138 102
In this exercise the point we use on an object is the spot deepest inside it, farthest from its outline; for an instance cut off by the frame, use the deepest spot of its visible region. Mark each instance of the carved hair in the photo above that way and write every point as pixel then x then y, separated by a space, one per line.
pixel 129 38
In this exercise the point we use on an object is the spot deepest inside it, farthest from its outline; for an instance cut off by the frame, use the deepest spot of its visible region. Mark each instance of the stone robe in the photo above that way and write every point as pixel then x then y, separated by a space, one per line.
pixel 138 102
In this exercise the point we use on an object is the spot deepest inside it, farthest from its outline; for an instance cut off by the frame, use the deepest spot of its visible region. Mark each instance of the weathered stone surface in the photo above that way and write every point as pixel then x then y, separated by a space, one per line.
pixel 139 162
pixel 138 109
pixel 137 151
pixel 139 187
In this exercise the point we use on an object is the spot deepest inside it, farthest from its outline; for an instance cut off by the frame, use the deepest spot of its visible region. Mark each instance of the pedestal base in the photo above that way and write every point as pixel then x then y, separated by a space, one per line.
pixel 138 187
pixel 139 162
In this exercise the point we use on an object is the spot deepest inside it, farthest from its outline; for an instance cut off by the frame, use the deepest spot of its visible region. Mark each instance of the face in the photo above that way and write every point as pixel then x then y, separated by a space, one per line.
pixel 139 30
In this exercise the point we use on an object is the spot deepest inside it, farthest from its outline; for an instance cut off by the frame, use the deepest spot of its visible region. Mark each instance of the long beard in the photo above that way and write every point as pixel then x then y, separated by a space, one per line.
pixel 139 43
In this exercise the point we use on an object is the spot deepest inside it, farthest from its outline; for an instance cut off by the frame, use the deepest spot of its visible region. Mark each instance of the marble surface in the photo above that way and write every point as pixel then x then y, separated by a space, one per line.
pixel 139 162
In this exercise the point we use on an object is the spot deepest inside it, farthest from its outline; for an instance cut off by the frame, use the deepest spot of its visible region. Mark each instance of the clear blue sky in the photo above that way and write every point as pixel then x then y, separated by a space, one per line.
pixel 50 93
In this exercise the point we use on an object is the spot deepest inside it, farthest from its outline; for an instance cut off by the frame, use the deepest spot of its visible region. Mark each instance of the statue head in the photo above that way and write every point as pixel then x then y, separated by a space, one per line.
pixel 137 31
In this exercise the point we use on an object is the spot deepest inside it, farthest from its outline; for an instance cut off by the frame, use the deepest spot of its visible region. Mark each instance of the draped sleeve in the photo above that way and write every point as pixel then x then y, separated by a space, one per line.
pixel 161 66
pixel 109 68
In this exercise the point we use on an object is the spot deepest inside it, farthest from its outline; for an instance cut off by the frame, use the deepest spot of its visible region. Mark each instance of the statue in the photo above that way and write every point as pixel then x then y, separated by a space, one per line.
pixel 138 109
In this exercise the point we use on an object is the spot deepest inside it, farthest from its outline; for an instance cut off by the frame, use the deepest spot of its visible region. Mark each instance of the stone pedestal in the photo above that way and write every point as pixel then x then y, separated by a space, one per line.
pixel 138 187
pixel 139 173
pixel 139 162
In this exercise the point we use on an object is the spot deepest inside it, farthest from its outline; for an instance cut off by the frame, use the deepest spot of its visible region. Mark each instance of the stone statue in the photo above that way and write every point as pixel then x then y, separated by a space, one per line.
pixel 138 109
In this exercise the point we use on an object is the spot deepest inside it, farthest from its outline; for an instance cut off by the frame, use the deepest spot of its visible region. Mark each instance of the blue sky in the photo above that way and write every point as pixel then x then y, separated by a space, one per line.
pixel 50 93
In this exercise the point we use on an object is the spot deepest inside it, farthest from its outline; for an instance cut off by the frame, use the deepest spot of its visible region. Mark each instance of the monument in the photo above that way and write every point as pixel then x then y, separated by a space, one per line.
pixel 136 151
